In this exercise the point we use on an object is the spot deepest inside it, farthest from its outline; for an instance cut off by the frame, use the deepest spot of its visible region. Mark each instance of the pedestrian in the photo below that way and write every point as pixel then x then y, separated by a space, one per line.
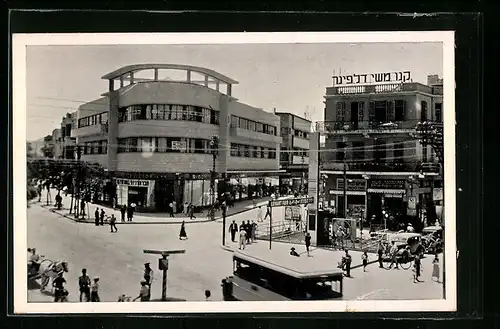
pixel 185 208
pixel 410 228
pixel 191 211
pixel 171 209
pixel 123 211
pixel 268 213
pixel 293 252
pixel 132 211
pixel 435 269
pixel 416 269
pixel 233 228
pixel 308 242
pixel 208 294
pixel 129 213
pixel 60 293
pixel 84 284
pixel 82 208
pixel 182 233
pixel 394 255
pixel 248 229
pixel 174 207
pixel 144 293
pixel 58 201
pixel 380 253
pixel 254 230
pixel 39 190
pixel 259 214
pixel 96 214
pixel 94 294
pixel 347 260
pixel 148 275
pixel 243 237
pixel 112 223
pixel 364 258
pixel 102 217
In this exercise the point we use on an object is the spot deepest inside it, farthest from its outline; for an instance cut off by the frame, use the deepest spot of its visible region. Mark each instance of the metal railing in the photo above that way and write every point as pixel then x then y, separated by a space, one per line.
pixel 426 167
pixel 388 125
pixel 384 88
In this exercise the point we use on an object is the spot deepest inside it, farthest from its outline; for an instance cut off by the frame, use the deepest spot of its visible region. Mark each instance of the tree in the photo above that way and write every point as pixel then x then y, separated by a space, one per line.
pixel 29 150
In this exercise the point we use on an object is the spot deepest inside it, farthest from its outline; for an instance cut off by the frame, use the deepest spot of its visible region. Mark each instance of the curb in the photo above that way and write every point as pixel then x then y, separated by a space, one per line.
pixel 226 248
pixel 87 221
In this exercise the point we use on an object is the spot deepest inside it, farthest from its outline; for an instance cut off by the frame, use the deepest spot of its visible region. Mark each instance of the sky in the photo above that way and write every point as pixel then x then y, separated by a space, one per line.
pixel 289 77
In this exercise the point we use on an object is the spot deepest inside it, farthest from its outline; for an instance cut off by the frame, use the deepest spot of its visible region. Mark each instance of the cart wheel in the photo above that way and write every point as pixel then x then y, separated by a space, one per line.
pixel 406 262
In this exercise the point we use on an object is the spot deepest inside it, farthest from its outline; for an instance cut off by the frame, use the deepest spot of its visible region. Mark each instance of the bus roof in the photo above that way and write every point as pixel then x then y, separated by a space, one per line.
pixel 303 267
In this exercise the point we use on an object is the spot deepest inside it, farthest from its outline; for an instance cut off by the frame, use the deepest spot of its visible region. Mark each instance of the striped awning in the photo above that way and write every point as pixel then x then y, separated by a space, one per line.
pixel 385 191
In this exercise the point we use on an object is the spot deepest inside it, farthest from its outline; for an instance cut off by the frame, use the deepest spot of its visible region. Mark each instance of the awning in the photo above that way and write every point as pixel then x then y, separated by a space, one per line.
pixel 385 191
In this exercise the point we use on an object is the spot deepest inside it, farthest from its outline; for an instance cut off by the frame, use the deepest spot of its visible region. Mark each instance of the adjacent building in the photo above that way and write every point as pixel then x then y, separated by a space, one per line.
pixel 152 133
pixel 294 156
pixel 373 157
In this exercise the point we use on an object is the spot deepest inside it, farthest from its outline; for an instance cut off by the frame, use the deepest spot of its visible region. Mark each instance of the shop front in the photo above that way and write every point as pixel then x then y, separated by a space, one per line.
pixel 138 191
pixel 197 190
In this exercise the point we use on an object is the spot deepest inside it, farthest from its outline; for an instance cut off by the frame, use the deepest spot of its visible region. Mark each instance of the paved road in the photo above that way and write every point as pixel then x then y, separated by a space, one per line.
pixel 118 259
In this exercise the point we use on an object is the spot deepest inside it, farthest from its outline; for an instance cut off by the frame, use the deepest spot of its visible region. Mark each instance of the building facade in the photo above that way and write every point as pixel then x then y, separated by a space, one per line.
pixel 68 141
pixel 153 135
pixel 294 157
pixel 373 158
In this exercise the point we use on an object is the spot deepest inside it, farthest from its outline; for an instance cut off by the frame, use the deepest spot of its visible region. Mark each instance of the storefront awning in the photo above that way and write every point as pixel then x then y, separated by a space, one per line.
pixel 385 191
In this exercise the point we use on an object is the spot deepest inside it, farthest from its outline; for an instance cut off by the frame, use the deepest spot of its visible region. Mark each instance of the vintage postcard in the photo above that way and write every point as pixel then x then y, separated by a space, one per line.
pixel 234 172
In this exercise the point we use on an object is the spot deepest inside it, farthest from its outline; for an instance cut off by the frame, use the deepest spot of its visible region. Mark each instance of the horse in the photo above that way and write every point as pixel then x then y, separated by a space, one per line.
pixel 50 270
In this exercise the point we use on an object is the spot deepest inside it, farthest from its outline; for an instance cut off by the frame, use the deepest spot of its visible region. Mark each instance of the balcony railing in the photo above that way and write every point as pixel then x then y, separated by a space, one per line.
pixel 424 167
pixel 371 125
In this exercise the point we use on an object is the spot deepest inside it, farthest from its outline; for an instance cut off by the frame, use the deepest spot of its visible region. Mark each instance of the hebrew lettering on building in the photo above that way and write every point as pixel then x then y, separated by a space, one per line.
pixel 381 77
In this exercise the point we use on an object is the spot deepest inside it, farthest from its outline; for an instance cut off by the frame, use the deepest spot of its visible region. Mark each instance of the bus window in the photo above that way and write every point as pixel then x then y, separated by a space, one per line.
pixel 319 288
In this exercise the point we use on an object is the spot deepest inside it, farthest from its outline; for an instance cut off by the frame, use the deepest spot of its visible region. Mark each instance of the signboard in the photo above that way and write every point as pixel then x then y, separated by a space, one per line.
pixel 179 146
pixel 352 185
pixel 292 213
pixel 384 77
pixel 412 203
pixel 395 184
pixel 132 182
pixel 291 202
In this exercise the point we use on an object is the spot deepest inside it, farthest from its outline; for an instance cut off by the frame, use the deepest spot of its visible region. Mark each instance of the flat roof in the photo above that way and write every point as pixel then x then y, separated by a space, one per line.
pixel 139 67
pixel 302 267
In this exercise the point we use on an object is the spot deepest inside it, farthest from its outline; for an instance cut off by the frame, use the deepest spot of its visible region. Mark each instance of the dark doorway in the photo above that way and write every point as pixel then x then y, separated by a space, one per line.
pixel 354 115
pixel 138 195
pixel 374 204
pixel 164 194
pixel 423 111
pixel 380 111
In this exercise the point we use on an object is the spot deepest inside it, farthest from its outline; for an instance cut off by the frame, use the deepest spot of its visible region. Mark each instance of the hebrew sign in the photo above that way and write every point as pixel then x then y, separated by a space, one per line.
pixel 291 202
pixel 393 77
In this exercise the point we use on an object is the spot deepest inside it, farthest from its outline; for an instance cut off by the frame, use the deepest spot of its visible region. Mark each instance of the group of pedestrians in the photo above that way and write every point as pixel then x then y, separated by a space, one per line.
pixel 99 220
pixel 247 232
pixel 129 211
pixel 88 290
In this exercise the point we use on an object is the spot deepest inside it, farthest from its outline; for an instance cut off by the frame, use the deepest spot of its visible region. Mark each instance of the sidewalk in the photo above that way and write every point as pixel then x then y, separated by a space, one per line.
pixel 321 255
pixel 143 218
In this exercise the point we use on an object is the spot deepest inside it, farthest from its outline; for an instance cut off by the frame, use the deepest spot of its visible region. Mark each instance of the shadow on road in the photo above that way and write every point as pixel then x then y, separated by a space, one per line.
pixel 169 299
pixel 33 285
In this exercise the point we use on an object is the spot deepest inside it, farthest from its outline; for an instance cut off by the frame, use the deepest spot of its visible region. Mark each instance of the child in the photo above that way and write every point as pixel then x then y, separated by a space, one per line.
pixel 94 294
pixel 364 257
pixel 435 269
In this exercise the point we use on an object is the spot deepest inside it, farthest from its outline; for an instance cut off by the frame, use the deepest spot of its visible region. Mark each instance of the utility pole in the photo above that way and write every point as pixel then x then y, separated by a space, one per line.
pixel 78 174
pixel 345 176
pixel 214 145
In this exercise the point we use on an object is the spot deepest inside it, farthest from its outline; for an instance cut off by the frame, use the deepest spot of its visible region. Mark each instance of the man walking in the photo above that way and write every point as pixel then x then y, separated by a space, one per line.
pixel 171 209
pixel 394 254
pixel 254 230
pixel 84 284
pixel 248 229
pixel 102 217
pixel 243 237
pixel 112 223
pixel 94 295
pixel 347 263
pixel 148 276
pixel 96 214
pixel 308 242
pixel 259 214
pixel 123 211
pixel 233 228
pixel 268 213
pixel 380 253
pixel 191 211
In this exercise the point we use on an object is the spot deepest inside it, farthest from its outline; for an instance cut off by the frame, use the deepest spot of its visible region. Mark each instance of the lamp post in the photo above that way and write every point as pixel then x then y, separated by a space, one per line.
pixel 214 147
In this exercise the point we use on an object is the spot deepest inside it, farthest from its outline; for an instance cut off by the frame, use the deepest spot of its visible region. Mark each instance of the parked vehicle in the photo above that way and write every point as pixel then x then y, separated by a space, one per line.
pixel 432 239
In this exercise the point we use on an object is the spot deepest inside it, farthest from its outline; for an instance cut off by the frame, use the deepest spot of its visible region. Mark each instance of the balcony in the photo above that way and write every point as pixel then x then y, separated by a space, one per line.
pixel 388 88
pixel 424 167
pixel 300 142
pixel 366 127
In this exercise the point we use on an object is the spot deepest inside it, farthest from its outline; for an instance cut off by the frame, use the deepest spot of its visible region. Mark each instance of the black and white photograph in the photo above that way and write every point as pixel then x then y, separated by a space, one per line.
pixel 228 172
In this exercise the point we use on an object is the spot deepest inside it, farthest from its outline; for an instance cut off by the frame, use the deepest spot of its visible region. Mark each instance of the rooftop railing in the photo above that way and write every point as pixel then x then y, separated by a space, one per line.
pixel 394 166
pixel 384 89
pixel 373 125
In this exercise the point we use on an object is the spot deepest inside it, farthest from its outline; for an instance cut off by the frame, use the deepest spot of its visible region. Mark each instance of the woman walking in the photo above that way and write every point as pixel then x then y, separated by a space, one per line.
pixel 182 233
pixel 364 258
pixel 435 269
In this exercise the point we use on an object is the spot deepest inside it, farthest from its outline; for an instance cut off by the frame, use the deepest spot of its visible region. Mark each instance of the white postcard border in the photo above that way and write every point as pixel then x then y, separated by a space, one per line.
pixel 19 43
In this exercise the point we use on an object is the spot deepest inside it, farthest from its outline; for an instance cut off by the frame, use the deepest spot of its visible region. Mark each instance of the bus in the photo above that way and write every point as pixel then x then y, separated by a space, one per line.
pixel 278 277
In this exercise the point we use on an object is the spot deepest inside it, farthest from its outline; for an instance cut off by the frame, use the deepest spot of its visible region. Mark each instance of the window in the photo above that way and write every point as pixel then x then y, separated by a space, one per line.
pixel 272 153
pixel 439 112
pixel 234 149
pixel 259 127
pixel 251 125
pixel 423 111
pixel 234 121
pixel 243 123
pixel 285 131
pixel 247 151
pixel 358 151
pixel 340 112
pixel 104 147
pixel 339 152
pixel 241 150
pixel 398 151
pixel 255 152
pixel 206 116
pixel 399 110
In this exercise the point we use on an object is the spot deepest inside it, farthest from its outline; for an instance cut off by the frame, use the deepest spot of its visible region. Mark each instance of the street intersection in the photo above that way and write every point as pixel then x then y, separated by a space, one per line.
pixel 118 259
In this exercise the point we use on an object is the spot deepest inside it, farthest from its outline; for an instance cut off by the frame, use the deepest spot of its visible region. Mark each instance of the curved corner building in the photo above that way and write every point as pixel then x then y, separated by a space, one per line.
pixel 152 132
